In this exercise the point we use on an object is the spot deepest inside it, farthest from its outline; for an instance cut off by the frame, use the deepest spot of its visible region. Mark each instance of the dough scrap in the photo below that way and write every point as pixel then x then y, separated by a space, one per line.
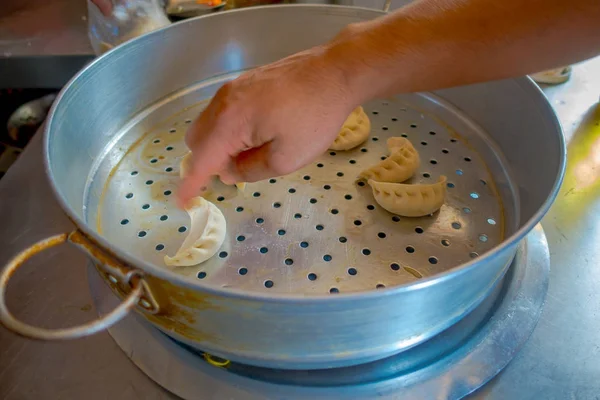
pixel 410 200
pixel 353 132
pixel 402 163
pixel 207 233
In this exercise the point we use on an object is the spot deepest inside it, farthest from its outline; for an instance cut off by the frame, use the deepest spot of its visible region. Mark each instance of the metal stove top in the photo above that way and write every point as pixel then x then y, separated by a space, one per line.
pixel 559 361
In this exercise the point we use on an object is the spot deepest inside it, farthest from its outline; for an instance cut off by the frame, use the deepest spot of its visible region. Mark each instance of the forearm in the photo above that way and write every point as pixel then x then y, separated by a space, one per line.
pixel 433 44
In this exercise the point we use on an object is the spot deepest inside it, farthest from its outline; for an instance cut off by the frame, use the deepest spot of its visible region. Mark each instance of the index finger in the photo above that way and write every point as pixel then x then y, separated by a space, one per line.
pixel 211 152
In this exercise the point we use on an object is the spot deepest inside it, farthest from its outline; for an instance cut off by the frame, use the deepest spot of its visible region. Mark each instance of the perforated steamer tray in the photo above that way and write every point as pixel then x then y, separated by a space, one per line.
pixel 318 230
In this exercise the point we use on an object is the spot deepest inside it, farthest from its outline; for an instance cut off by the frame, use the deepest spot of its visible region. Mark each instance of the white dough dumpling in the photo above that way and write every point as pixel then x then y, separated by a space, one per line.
pixel 207 233
pixel 396 142
pixel 355 131
pixel 402 163
pixel 410 200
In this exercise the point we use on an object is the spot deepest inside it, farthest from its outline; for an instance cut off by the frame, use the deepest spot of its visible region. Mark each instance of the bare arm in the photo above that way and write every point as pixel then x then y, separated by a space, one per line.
pixel 252 129
pixel 432 44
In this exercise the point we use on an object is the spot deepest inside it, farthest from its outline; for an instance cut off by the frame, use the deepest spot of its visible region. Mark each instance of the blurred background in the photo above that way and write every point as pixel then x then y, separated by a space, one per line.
pixel 43 43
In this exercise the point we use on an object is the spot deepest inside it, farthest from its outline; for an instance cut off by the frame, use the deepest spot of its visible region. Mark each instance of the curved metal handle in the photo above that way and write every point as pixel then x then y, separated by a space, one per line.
pixel 8 320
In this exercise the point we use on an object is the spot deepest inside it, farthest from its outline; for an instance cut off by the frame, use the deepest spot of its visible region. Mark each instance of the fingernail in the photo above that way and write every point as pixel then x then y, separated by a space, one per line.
pixel 181 202
pixel 183 197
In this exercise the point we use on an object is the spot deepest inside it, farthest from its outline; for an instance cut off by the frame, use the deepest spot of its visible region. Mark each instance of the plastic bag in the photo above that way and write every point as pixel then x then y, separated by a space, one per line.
pixel 129 18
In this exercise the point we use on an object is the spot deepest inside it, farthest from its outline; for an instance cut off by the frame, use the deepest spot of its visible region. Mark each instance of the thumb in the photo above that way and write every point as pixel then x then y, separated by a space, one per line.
pixel 253 165
pixel 269 160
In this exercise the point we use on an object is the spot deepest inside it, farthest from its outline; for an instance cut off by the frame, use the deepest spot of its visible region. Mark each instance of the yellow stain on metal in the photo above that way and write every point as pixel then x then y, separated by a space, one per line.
pixel 586 154
pixel 581 184
pixel 216 361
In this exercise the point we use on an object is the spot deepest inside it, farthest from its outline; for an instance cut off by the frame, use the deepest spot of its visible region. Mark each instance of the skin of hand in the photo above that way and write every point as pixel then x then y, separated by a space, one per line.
pixel 268 122
pixel 279 117
pixel 105 6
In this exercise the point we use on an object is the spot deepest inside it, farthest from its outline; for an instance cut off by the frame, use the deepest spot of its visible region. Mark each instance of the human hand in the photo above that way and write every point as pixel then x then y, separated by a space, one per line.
pixel 269 122
pixel 105 6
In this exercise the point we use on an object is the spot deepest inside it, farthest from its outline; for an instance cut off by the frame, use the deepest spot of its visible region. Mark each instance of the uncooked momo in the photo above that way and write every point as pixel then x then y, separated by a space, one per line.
pixel 207 233
pixel 399 166
pixel 355 130
pixel 410 200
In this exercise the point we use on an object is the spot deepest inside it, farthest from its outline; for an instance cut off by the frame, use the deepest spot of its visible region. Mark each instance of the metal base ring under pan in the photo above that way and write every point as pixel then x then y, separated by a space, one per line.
pixel 450 366
pixel 308 255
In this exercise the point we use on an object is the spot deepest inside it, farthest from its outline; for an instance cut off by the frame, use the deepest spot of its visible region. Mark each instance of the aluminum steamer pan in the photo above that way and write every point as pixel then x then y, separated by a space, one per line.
pixel 313 274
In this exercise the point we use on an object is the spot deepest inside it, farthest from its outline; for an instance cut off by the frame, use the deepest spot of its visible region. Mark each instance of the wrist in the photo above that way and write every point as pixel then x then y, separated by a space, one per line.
pixel 355 56
pixel 349 73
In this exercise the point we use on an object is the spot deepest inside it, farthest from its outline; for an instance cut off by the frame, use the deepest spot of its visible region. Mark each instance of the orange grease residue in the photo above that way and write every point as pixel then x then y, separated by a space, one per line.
pixel 104 257
pixel 34 249
pixel 177 306
pixel 159 126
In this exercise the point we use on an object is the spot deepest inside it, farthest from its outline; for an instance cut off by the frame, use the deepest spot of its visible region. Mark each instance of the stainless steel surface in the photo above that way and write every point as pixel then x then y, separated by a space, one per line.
pixel 273 243
pixel 489 126
pixel 558 362
pixel 449 366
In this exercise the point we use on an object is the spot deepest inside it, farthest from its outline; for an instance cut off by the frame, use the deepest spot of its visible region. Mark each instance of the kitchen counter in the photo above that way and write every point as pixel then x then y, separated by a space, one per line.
pixel 560 361
pixel 42 43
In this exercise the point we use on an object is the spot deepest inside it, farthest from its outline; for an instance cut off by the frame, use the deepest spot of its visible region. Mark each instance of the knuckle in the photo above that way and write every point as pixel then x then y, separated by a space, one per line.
pixel 227 103
pixel 219 115
pixel 281 165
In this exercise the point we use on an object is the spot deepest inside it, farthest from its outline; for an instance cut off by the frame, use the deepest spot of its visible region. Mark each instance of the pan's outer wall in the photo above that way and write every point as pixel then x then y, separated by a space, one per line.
pixel 290 332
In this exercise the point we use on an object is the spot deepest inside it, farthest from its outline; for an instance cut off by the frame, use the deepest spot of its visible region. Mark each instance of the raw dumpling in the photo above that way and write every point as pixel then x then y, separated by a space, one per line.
pixel 207 233
pixel 399 166
pixel 355 130
pixel 410 200
pixel 186 164
pixel 396 142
